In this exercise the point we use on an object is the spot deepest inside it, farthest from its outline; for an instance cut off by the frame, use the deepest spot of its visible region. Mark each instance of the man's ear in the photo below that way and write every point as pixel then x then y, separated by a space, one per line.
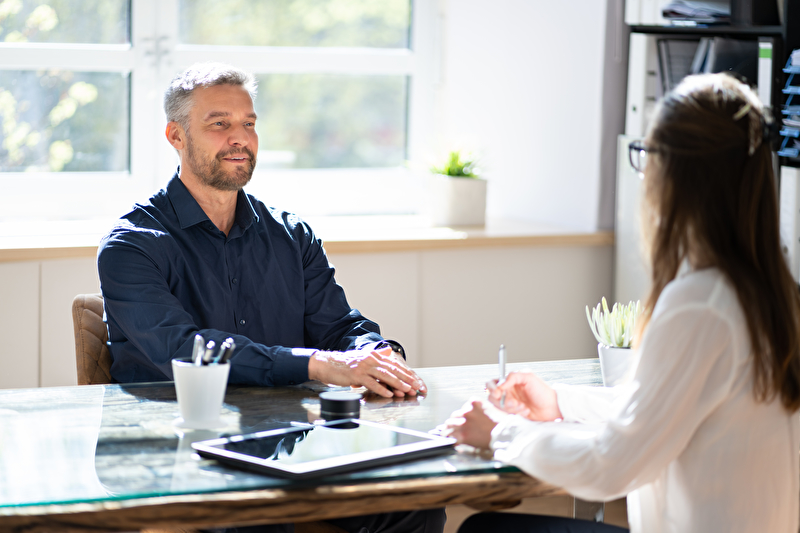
pixel 176 135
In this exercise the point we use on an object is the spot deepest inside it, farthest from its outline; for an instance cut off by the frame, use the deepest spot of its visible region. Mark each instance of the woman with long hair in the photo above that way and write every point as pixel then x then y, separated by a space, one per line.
pixel 706 435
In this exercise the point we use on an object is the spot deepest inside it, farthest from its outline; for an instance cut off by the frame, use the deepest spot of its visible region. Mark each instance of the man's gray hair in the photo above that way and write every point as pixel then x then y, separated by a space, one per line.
pixel 178 98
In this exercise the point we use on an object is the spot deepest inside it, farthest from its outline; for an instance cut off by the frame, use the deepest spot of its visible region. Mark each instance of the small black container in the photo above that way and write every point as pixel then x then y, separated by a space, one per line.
pixel 336 405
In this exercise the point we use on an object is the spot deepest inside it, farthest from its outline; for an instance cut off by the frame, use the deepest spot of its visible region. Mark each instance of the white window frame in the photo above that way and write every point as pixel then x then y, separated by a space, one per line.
pixel 155 56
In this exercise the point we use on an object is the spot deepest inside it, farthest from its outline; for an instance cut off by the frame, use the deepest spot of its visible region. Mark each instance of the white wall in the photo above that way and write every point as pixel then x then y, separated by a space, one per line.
pixel 538 87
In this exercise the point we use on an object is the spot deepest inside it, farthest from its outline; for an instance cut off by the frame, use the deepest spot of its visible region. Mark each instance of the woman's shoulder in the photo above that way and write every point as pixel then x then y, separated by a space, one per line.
pixel 707 289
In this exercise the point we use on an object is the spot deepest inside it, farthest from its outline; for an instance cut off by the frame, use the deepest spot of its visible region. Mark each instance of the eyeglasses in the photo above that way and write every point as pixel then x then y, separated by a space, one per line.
pixel 637 153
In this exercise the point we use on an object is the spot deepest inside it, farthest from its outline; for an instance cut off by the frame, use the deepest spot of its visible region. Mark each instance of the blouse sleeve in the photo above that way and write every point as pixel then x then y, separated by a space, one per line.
pixel 583 403
pixel 684 373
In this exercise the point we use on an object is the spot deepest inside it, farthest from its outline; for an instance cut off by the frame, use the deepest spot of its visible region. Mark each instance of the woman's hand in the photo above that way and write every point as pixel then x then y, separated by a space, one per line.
pixel 471 425
pixel 525 394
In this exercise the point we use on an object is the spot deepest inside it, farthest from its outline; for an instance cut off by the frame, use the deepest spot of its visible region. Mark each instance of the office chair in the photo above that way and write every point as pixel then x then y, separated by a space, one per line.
pixel 91 353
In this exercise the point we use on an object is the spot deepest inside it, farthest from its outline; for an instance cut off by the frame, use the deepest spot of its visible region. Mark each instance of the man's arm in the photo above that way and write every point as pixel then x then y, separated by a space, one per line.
pixel 358 356
pixel 148 326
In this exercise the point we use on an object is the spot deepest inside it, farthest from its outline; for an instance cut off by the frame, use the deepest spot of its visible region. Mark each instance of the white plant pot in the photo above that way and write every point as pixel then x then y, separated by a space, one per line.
pixel 616 364
pixel 457 201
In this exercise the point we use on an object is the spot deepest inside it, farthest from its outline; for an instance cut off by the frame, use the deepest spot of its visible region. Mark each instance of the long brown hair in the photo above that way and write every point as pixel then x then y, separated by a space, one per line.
pixel 710 198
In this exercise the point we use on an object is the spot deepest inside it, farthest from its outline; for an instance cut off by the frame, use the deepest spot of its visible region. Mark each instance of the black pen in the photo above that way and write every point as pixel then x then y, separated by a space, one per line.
pixel 224 348
pixel 228 353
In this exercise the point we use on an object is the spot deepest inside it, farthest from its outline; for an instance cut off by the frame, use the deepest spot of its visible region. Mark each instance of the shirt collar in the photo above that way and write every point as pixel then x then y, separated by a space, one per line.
pixel 190 213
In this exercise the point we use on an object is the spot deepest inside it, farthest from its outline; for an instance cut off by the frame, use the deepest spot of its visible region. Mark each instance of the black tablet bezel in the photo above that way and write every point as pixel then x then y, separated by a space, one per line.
pixel 431 446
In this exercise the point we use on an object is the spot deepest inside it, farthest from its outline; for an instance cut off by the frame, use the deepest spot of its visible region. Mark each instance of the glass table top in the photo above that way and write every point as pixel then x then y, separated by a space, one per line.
pixel 109 442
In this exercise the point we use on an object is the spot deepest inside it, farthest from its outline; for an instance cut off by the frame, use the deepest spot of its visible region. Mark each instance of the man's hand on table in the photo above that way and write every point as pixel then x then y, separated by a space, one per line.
pixel 381 371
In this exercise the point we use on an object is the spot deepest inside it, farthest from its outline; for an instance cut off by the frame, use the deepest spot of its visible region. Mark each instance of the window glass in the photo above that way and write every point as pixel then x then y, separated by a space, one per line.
pixel 65 21
pixel 64 121
pixel 331 121
pixel 354 23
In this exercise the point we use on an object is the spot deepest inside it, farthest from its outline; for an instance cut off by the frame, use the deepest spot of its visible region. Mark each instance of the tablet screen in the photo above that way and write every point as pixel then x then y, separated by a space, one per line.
pixel 325 448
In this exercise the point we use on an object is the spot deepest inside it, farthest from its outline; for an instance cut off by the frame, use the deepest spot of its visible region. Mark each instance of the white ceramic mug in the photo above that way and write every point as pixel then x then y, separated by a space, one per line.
pixel 200 391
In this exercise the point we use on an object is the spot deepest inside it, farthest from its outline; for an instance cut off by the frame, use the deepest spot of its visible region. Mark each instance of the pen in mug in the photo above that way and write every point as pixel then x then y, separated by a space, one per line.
pixel 209 352
pixel 198 350
pixel 501 359
pixel 226 356
pixel 225 351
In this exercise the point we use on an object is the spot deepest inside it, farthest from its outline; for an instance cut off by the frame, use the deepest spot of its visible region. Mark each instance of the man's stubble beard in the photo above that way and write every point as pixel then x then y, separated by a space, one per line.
pixel 210 172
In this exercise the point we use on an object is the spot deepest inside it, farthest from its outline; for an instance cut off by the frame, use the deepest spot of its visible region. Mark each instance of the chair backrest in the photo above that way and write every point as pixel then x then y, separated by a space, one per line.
pixel 91 352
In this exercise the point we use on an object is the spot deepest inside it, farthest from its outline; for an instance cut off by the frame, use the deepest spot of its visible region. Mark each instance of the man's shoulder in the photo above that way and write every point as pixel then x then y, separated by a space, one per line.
pixel 276 218
pixel 144 223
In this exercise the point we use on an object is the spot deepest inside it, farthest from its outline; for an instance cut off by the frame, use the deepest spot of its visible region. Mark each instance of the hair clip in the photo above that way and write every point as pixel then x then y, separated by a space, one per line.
pixel 745 109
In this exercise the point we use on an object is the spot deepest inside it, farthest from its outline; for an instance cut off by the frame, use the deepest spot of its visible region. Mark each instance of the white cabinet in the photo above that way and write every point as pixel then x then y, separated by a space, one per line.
pixel 19 316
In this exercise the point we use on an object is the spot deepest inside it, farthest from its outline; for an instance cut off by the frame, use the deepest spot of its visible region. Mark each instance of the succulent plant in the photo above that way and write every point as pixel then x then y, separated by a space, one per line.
pixel 615 327
pixel 458 166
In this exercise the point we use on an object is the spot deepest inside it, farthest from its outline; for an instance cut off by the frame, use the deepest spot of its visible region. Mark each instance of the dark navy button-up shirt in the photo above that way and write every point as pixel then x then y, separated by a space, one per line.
pixel 167 273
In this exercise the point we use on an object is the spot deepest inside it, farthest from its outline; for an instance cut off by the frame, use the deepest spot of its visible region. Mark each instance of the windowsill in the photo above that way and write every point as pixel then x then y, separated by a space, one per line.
pixel 35 241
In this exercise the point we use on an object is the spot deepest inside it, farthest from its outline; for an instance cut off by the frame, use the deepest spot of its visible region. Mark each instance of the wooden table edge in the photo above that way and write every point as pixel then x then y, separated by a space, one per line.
pixel 482 491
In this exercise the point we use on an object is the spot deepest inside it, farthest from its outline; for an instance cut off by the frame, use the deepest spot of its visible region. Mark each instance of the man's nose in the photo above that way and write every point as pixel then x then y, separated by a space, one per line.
pixel 241 136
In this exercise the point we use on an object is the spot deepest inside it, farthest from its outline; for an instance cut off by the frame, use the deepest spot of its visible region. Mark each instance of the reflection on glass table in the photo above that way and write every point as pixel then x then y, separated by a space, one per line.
pixel 117 442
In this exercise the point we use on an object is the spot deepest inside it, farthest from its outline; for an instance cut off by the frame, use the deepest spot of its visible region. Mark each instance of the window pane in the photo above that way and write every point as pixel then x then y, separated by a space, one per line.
pixel 65 21
pixel 331 121
pixel 64 121
pixel 359 23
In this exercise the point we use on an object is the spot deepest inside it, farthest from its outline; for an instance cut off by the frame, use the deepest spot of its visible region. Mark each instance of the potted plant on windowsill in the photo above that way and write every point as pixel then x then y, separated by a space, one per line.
pixel 458 193
pixel 614 332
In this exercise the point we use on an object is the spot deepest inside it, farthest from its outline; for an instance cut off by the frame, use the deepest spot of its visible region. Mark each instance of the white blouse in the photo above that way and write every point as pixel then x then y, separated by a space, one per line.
pixel 685 440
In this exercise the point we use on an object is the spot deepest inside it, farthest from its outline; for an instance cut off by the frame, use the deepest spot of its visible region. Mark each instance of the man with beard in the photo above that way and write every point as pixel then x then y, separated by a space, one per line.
pixel 202 257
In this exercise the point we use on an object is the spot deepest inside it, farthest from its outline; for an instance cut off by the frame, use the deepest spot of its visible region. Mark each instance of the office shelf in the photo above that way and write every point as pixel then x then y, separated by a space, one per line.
pixel 720 30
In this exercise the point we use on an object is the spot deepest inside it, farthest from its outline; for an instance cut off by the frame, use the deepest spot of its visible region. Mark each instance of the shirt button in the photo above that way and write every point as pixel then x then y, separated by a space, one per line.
pixel 242 322
pixel 235 281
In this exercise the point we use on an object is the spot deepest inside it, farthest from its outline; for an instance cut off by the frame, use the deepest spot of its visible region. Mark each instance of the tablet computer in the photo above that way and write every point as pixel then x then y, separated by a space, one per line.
pixel 316 450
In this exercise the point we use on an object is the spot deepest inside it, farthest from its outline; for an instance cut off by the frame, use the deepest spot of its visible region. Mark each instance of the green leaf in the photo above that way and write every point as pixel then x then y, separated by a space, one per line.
pixel 457 167
pixel 615 327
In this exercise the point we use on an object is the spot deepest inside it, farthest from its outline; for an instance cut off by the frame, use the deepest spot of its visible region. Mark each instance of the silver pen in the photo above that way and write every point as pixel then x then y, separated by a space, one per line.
pixel 198 350
pixel 501 359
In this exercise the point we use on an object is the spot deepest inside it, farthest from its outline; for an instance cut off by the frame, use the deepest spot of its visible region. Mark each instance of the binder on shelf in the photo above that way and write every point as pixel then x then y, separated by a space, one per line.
pixel 677 58
pixel 790 112
pixel 701 52
pixel 765 71
pixel 735 55
pixel 675 61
